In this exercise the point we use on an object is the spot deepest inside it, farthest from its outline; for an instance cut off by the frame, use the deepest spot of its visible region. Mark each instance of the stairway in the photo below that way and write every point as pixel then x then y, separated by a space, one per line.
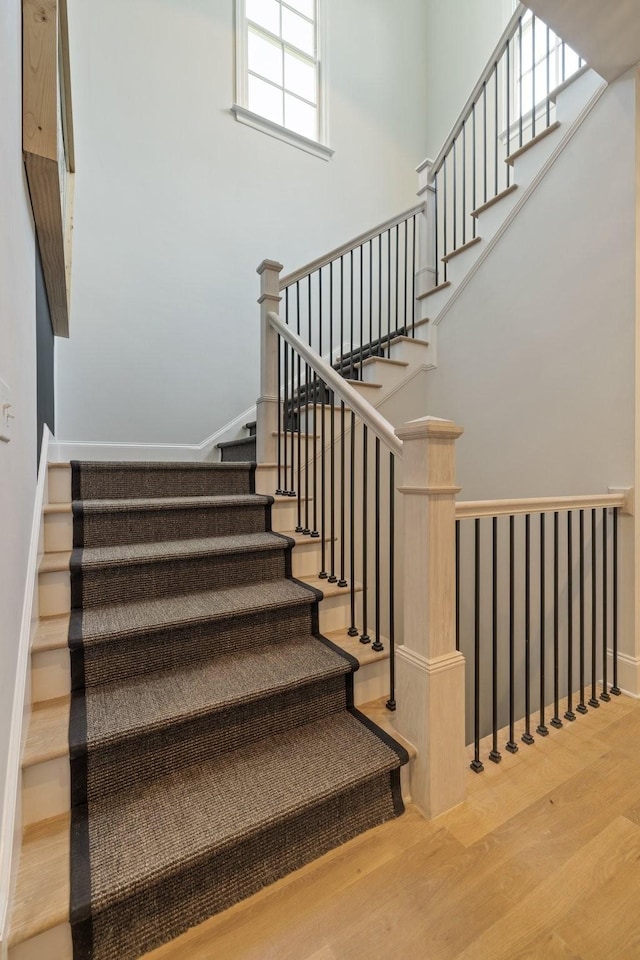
pixel 213 740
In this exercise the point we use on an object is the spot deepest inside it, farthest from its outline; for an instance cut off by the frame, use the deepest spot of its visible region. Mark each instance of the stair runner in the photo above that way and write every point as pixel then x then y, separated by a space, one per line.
pixel 214 744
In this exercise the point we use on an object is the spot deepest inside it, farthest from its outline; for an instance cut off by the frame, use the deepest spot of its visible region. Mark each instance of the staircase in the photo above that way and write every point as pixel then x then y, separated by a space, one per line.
pixel 213 743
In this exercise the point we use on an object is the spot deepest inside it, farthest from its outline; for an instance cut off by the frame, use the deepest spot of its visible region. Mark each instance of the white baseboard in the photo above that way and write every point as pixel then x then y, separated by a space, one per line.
pixel 11 830
pixel 628 673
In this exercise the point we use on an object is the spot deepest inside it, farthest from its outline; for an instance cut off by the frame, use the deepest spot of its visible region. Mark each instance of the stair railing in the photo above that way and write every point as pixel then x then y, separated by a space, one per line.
pixel 537 597
pixel 349 304
pixel 381 504
pixel 512 104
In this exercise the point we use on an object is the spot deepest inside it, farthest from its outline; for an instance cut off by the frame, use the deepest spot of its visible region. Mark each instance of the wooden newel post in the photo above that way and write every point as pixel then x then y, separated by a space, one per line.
pixel 429 670
pixel 267 415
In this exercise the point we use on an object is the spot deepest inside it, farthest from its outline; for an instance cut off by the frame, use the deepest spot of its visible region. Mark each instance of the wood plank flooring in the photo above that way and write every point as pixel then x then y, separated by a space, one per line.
pixel 542 862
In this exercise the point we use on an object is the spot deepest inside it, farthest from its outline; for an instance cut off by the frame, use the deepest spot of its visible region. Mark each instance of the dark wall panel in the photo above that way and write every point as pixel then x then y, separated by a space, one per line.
pixel 45 346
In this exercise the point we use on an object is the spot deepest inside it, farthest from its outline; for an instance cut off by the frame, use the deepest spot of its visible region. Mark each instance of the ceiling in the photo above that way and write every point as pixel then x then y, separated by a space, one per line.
pixel 606 33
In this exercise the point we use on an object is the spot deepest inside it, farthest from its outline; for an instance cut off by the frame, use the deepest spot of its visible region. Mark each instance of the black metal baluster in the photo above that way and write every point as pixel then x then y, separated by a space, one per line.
pixel 406 259
pixel 364 637
pixel 370 296
pixel 284 426
pixel 474 167
pixel 379 295
pixel 569 715
pixel 307 378
pixel 605 612
pixel 332 578
pixel 413 281
pixel 593 700
pixel 342 316
pixel 615 689
pixel 377 643
pixel 360 376
pixel 455 197
pixel 279 426
pixel 555 720
pixel 476 763
pixel 457 585
pixel 397 273
pixel 495 754
pixel 521 74
pixel 353 630
pixel 582 707
pixel 290 411
pixel 323 478
pixel 391 702
pixel 464 182
pixel 351 374
pixel 445 245
pixel 526 736
pixel 314 532
pixel 435 220
pixel 542 729
pixel 342 582
pixel 299 414
pixel 511 745
pixel 484 139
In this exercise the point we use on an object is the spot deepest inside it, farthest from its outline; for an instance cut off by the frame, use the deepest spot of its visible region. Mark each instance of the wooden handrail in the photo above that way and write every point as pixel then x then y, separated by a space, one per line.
pixel 475 509
pixel 507 34
pixel 380 427
pixel 328 258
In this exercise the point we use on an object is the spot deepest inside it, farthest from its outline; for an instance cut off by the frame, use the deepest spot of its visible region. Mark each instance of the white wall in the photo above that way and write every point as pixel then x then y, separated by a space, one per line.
pixel 177 202
pixel 536 356
pixel 17 368
pixel 461 36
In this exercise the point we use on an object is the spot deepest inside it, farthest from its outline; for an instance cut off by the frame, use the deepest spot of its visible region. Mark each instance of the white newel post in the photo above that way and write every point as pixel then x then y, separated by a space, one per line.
pixel 268 403
pixel 429 670
pixel 427 264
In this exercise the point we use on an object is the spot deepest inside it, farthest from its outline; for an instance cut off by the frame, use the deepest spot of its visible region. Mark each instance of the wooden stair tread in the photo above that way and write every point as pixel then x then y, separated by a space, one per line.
pixel 432 290
pixel 511 159
pixel 363 652
pixel 55 465
pixel 48 735
pixel 461 249
pixel 41 899
pixel 303 539
pixel 55 562
pixel 490 203
pixel 51 634
pixel 401 338
pixel 329 589
pixel 364 383
pixel 387 360
pixel 376 710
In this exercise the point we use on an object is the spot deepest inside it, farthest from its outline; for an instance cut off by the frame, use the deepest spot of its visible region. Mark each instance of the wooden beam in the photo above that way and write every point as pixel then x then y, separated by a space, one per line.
pixel 65 92
pixel 44 186
pixel 40 78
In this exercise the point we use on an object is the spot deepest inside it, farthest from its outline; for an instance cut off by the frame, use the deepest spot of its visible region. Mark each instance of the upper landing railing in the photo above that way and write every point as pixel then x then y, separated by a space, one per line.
pixel 512 104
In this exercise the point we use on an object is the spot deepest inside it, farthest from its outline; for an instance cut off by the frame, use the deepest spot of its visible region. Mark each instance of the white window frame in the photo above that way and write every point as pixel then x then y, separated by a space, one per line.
pixel 318 148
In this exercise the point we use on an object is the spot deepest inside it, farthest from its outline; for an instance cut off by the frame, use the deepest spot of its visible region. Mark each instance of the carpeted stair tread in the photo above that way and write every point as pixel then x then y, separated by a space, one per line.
pixel 141 504
pixel 129 479
pixel 171 550
pixel 129 619
pixel 158 830
pixel 122 710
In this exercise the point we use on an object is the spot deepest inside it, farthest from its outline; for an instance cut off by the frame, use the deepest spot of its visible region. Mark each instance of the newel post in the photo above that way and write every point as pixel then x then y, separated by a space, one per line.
pixel 429 670
pixel 267 414
pixel 426 277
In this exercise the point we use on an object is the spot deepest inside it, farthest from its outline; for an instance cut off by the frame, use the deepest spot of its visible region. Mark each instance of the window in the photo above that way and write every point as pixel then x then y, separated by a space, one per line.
pixel 542 63
pixel 279 76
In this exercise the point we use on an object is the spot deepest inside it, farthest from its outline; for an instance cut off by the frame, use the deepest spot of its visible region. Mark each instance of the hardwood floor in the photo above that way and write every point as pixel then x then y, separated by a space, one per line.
pixel 542 862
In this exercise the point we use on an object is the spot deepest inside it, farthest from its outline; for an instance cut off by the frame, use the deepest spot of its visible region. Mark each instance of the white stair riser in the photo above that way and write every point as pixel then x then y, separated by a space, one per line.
pixel 415 353
pixel 492 219
pixel 529 164
pixel 46 790
pixel 334 613
pixel 50 675
pixel 385 373
pixel 53 944
pixel 432 305
pixel 58 532
pixel 54 593
pixel 306 559
pixel 459 267
pixel 59 484
pixel 575 96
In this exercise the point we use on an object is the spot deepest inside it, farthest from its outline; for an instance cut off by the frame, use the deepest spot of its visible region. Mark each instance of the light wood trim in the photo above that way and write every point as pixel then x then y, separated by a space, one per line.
pixel 475 509
pixel 384 360
pixel 41 899
pixel 67 106
pixel 48 737
pixel 507 34
pixel 511 159
pixel 47 161
pixel 52 633
pixel 350 245
pixel 498 197
pixel 459 250
pixel 380 427
pixel 55 562
pixel 432 290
